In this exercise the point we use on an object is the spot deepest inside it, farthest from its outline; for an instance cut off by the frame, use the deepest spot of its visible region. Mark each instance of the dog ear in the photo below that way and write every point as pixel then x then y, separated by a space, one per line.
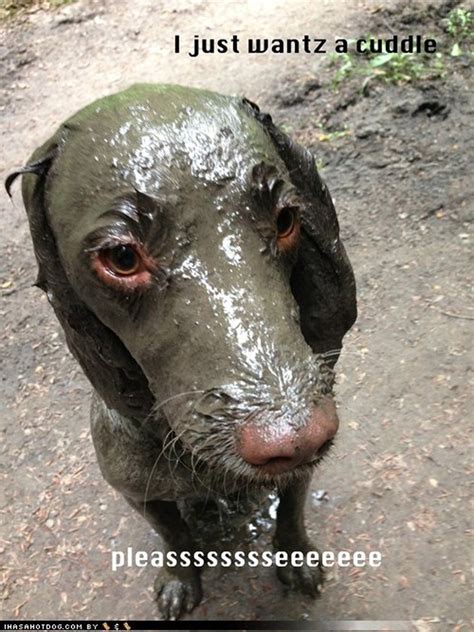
pixel 104 359
pixel 322 280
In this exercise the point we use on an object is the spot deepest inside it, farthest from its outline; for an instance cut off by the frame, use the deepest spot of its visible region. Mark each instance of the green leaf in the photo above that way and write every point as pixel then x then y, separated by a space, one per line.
pixel 456 50
pixel 380 60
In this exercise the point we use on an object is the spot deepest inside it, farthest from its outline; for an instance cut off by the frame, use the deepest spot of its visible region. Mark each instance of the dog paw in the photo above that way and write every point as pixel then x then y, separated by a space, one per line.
pixel 305 579
pixel 176 596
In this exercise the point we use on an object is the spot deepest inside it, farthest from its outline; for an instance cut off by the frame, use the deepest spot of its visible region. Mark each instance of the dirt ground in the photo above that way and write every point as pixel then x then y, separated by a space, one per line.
pixel 398 478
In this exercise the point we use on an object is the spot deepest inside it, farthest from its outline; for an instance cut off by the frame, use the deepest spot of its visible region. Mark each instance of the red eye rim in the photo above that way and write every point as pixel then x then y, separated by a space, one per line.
pixel 288 225
pixel 107 267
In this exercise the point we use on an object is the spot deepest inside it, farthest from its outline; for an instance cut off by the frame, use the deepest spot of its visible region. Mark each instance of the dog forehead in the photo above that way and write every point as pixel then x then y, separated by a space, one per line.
pixel 165 141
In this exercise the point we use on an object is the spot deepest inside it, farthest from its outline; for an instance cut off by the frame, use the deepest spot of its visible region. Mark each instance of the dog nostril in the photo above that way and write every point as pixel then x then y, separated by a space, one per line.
pixel 275 446
pixel 323 448
pixel 262 440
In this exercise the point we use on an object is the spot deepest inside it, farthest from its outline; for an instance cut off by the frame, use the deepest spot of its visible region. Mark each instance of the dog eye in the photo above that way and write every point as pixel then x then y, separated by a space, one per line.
pixel 288 228
pixel 286 222
pixel 122 260
pixel 124 267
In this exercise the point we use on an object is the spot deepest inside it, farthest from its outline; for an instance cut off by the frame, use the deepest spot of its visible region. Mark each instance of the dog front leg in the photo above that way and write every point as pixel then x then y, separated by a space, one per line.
pixel 178 588
pixel 291 536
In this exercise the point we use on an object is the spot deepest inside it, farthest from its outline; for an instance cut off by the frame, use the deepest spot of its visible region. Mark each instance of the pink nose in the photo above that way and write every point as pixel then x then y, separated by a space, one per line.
pixel 274 446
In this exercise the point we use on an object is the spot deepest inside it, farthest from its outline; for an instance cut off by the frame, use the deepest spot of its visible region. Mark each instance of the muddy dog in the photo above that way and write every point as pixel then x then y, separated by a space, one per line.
pixel 191 253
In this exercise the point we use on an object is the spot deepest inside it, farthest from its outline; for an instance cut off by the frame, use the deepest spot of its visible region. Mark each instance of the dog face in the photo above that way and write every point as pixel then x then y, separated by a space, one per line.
pixel 192 255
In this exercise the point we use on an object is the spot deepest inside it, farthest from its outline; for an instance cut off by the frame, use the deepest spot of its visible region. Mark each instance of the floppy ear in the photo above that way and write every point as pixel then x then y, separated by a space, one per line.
pixel 322 280
pixel 104 359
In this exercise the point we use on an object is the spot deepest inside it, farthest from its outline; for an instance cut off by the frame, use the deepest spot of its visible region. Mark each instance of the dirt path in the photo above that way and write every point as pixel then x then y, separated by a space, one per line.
pixel 396 481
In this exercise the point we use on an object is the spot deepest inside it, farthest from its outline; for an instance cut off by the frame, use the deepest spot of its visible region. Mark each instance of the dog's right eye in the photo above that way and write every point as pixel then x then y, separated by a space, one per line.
pixel 122 260
pixel 123 266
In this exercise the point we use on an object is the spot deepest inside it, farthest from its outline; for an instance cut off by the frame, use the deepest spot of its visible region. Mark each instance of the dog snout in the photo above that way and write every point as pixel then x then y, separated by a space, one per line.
pixel 276 444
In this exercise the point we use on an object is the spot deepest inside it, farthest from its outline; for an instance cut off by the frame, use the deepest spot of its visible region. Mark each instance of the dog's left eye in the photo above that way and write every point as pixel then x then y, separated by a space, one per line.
pixel 286 222
pixel 287 228
pixel 122 260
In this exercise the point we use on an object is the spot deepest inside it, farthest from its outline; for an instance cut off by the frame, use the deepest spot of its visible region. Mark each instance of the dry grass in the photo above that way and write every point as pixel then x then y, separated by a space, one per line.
pixel 12 8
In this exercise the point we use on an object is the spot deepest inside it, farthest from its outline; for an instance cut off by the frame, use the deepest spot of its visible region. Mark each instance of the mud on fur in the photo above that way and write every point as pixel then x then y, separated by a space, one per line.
pixel 191 253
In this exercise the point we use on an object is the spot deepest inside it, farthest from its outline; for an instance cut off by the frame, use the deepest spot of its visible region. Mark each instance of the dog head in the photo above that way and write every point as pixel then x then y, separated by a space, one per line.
pixel 192 255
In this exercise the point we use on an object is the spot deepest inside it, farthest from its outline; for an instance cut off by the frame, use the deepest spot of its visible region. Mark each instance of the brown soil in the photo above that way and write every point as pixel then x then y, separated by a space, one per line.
pixel 397 480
